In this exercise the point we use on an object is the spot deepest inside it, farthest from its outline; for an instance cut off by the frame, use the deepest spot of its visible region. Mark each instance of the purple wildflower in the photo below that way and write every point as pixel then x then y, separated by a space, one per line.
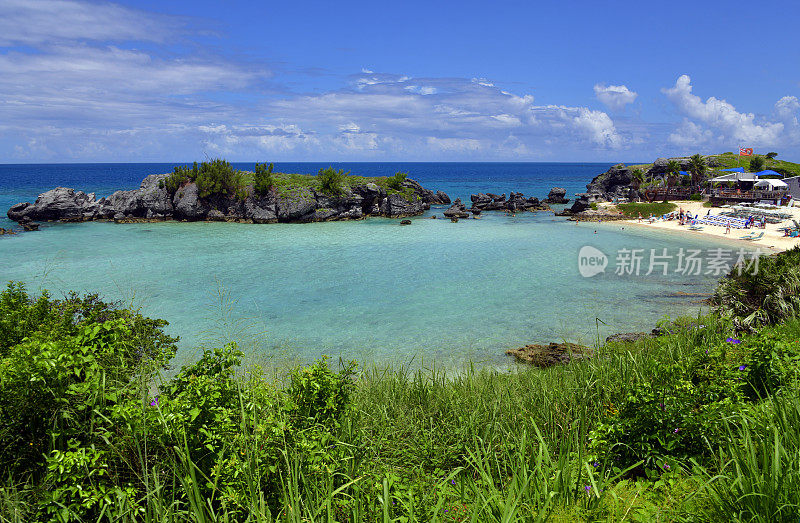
pixel 587 488
pixel 734 341
pixel 595 464
pixel 666 466
pixel 154 403
pixel 675 431
pixel 742 367
pixel 452 482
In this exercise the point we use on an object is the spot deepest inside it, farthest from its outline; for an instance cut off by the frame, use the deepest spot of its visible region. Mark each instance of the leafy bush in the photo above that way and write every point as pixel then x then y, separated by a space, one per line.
pixel 675 412
pixel 180 176
pixel 396 182
pixel 218 178
pixel 696 197
pixel 772 364
pixel 319 394
pixel 213 178
pixel 64 384
pixel 331 180
pixel 761 295
pixel 262 180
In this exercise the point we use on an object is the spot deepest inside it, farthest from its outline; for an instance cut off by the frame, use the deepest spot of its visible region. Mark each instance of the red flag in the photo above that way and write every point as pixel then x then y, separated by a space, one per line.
pixel 745 151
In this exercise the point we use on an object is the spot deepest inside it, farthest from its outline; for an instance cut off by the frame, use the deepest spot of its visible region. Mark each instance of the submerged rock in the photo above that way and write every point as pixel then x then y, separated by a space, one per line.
pixel 552 354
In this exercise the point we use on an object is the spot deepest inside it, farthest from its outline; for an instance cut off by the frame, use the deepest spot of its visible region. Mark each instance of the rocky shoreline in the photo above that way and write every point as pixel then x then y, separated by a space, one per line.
pixel 152 201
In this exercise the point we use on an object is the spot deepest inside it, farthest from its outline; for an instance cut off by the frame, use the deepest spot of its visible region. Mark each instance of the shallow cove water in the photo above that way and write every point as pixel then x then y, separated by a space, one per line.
pixel 371 290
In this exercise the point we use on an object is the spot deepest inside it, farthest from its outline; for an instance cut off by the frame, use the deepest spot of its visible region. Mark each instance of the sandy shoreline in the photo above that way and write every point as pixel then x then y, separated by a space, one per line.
pixel 773 239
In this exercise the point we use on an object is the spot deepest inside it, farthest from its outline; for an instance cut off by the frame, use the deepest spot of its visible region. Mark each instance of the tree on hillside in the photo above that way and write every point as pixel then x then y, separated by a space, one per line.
pixel 756 164
pixel 673 167
pixel 698 168
pixel 771 156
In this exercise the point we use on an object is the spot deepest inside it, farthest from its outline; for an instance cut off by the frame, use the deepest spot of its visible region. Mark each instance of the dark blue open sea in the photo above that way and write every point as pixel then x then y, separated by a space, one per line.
pixel 370 290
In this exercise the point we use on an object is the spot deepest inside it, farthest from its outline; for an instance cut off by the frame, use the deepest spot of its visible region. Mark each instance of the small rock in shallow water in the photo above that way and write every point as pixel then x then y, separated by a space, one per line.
pixel 405 222
pixel 549 355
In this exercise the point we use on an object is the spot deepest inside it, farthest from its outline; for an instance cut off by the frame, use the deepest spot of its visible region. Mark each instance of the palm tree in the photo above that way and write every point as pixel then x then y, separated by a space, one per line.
pixel 698 168
pixel 673 167
pixel 637 178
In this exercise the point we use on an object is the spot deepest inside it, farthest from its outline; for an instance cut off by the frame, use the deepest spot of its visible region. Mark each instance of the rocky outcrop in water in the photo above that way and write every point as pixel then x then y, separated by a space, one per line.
pixel 153 201
pixel 557 195
pixel 457 210
pixel 514 203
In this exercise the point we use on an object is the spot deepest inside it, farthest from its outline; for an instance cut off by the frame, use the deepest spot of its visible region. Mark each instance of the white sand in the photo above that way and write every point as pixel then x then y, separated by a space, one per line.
pixel 773 238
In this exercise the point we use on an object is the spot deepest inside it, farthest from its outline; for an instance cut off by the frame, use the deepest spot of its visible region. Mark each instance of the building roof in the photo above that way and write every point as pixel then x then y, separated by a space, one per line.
pixel 772 183
pixel 736 177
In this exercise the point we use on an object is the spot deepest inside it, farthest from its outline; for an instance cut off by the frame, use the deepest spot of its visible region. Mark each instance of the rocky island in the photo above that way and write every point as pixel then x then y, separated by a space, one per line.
pixel 213 191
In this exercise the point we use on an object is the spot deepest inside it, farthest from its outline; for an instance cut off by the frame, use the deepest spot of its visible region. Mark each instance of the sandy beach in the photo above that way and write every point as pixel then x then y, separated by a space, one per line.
pixel 773 239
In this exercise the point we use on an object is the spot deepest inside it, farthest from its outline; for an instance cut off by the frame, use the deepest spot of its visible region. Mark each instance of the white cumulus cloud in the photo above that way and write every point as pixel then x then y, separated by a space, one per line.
pixel 723 117
pixel 615 97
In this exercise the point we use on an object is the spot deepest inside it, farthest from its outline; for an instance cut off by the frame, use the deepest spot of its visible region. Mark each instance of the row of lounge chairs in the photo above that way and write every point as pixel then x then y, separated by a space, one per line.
pixel 723 221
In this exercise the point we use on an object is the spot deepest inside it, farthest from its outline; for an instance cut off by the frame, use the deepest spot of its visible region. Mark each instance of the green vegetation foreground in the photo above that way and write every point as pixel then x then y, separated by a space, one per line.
pixel 701 424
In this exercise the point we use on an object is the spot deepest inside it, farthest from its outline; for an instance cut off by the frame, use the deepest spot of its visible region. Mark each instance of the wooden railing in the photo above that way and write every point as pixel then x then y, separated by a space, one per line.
pixel 755 194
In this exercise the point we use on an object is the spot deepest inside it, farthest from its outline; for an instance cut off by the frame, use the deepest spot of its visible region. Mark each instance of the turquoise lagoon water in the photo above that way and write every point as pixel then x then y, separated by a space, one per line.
pixel 370 290
pixel 434 291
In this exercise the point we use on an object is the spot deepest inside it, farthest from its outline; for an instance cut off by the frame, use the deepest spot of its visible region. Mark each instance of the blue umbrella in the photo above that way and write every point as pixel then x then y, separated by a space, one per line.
pixel 734 170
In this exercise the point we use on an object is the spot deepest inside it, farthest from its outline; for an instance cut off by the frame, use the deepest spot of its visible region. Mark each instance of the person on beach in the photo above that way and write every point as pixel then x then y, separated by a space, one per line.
pixel 640 217
pixel 728 228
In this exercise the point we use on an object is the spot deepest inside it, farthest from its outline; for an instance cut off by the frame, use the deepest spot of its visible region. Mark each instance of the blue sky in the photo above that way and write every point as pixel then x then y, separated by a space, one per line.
pixel 413 81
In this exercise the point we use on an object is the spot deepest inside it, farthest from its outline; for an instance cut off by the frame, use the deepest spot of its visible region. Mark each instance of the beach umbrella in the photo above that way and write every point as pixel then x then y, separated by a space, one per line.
pixel 733 170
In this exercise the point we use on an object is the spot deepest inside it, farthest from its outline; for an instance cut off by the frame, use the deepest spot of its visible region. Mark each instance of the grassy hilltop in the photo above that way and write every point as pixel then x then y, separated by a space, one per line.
pixel 729 159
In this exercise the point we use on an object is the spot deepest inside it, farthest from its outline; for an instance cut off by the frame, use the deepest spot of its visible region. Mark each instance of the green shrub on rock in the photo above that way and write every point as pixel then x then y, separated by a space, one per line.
pixel 214 178
pixel 262 179
pixel 396 182
pixel 331 180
